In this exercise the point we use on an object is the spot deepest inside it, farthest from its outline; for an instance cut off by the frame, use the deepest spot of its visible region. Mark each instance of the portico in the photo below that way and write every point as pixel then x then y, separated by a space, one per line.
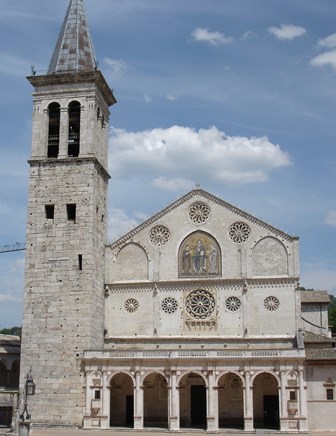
pixel 210 389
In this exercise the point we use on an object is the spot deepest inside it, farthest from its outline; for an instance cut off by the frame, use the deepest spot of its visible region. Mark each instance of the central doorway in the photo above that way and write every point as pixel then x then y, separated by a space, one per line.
pixel 193 401
pixel 198 406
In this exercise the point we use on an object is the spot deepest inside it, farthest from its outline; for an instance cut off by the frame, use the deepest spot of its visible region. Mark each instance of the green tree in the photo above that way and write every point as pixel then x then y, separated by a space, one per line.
pixel 16 331
pixel 332 313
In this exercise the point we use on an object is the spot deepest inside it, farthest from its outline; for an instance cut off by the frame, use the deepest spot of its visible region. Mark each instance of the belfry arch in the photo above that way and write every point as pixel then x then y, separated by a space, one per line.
pixel 54 112
pixel 74 110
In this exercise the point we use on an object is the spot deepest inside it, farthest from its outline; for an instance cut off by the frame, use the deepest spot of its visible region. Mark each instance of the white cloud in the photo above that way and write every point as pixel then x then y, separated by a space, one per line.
pixel 119 223
pixel 213 38
pixel 117 67
pixel 170 97
pixel 331 218
pixel 328 58
pixel 182 153
pixel 147 98
pixel 328 42
pixel 6 298
pixel 248 35
pixel 178 184
pixel 287 31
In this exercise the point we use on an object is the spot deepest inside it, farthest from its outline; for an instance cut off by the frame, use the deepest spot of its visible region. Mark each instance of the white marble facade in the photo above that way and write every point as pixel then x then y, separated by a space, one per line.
pixel 201 319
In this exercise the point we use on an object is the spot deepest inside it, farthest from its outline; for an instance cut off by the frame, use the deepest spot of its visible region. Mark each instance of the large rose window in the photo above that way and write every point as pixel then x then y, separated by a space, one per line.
pixel 200 304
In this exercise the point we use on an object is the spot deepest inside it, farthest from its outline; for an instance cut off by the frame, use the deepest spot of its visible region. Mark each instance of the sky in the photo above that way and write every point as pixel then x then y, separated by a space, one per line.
pixel 238 96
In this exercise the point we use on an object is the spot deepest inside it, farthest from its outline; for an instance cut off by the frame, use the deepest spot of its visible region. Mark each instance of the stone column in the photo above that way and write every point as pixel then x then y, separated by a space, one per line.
pixel 87 395
pixel 105 415
pixel 174 404
pixel 212 402
pixel 43 136
pixel 248 403
pixel 138 402
pixel 87 413
pixel 283 402
pixel 302 402
pixel 64 133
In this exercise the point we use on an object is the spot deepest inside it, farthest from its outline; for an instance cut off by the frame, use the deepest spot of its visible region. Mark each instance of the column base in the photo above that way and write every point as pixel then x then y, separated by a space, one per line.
pixel 138 423
pixel 212 424
pixel 248 424
pixel 173 423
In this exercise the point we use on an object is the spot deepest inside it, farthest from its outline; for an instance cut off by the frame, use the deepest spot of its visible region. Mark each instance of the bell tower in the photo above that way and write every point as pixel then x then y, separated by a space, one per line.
pixel 67 224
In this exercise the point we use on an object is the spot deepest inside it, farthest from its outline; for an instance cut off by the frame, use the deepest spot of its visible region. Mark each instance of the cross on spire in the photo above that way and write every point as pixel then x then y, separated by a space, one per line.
pixel 74 50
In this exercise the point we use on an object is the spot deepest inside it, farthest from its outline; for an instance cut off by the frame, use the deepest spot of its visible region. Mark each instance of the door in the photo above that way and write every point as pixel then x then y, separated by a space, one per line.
pixel 129 411
pixel 271 411
pixel 198 406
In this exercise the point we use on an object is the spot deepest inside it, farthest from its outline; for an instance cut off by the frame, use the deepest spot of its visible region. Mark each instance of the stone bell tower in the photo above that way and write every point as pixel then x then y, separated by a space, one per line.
pixel 67 223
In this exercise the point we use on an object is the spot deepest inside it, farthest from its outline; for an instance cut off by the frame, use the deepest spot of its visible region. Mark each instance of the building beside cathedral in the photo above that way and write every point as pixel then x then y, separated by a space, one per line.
pixel 193 319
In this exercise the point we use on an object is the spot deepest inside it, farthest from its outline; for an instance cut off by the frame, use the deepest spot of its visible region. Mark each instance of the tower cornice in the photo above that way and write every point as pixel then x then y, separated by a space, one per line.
pixel 70 161
pixel 94 77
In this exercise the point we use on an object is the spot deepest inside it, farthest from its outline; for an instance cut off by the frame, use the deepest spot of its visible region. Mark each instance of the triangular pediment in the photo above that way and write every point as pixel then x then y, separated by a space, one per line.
pixel 200 194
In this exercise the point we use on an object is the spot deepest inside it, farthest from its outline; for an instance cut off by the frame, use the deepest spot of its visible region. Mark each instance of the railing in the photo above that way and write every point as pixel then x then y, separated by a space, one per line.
pixel 193 354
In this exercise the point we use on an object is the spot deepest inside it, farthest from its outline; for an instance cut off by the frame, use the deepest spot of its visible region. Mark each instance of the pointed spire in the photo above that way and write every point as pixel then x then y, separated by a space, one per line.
pixel 74 50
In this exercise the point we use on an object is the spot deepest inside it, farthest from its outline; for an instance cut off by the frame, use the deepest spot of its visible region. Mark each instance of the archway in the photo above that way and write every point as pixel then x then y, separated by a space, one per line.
pixel 193 404
pixel 122 401
pixel 155 401
pixel 3 375
pixel 266 401
pixel 15 374
pixel 230 401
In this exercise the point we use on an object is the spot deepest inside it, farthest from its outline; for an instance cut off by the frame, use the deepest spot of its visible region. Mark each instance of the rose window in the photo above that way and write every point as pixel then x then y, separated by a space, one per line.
pixel 131 305
pixel 200 304
pixel 239 232
pixel 199 213
pixel 159 235
pixel 271 303
pixel 232 304
pixel 169 305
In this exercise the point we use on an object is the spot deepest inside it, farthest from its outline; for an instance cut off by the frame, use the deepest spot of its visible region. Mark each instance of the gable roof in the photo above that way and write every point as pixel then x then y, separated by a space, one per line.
pixel 207 196
pixel 321 354
pixel 314 297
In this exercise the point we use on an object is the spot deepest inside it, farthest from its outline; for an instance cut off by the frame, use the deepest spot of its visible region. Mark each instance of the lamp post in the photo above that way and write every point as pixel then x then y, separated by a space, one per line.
pixel 25 417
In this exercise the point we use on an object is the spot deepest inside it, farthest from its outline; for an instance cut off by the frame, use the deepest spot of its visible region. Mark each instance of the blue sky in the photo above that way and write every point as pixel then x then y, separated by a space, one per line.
pixel 236 95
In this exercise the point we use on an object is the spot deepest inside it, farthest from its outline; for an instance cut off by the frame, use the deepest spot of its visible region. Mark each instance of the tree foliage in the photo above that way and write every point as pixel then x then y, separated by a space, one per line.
pixel 332 313
pixel 16 331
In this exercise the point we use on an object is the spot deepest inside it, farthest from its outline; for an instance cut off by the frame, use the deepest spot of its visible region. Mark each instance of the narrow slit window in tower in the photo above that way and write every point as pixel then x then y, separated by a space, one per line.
pixel 74 129
pixel 54 129
pixel 71 212
pixel 49 211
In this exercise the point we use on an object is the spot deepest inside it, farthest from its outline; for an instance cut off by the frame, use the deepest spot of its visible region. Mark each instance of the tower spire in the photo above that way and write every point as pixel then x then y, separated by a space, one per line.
pixel 74 50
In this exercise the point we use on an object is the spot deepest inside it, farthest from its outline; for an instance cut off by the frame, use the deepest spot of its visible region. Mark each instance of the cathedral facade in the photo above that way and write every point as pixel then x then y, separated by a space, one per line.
pixel 195 318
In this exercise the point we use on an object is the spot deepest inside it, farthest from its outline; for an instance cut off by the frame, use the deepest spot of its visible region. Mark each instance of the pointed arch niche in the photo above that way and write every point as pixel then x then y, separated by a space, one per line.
pixel 269 258
pixel 132 263
pixel 199 255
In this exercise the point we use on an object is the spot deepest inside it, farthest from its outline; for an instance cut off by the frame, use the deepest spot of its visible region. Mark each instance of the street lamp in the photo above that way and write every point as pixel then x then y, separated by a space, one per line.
pixel 29 390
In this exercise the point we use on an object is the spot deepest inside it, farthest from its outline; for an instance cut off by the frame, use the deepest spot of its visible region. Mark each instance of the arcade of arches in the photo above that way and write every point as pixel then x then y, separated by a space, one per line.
pixel 205 398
